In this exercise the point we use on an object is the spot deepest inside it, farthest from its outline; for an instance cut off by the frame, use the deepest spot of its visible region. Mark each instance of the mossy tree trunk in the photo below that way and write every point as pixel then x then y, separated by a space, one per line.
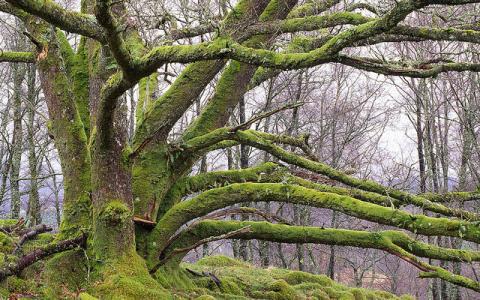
pixel 18 76
pixel 34 210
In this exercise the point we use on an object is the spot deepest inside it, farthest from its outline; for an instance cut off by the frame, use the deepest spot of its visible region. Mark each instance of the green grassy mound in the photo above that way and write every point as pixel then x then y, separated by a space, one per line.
pixel 239 280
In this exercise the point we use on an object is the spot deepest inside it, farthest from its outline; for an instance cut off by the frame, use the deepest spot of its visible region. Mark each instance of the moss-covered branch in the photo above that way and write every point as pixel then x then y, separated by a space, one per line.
pixel 226 48
pixel 222 197
pixel 263 142
pixel 251 138
pixel 70 21
pixel 266 173
pixel 39 254
pixel 313 8
pixel 308 23
pixel 415 70
pixel 13 10
pixel 114 33
pixel 284 233
pixel 12 56
pixel 201 182
pixel 161 116
pixel 393 242
pixel 452 197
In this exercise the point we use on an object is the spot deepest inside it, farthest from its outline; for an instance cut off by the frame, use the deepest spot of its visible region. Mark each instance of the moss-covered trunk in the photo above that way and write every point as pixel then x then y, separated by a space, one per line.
pixel 65 127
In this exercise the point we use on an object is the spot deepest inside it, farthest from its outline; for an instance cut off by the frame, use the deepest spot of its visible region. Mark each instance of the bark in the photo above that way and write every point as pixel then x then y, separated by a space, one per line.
pixel 245 247
pixel 420 147
pixel 17 142
pixel 34 209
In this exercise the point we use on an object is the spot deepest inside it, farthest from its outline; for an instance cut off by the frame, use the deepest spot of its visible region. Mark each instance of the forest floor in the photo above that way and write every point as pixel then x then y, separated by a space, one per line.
pixel 213 277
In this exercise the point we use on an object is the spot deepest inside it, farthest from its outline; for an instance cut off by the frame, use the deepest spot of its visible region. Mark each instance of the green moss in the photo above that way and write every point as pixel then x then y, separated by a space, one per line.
pixel 147 95
pixel 229 286
pixel 14 284
pixel 6 243
pixel 312 290
pixel 127 278
pixel 65 274
pixel 7 222
pixel 239 279
pixel 115 212
pixel 297 277
pixel 281 290
pixel 151 179
pixel 86 296
pixel 39 241
pixel 221 261
pixel 81 84
pixel 175 278
pixel 65 50
pixel 205 297
pixel 76 216
pixel 17 56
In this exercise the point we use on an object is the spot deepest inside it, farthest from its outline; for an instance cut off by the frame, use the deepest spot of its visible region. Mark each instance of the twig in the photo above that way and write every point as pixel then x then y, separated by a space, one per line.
pixel 246 210
pixel 267 114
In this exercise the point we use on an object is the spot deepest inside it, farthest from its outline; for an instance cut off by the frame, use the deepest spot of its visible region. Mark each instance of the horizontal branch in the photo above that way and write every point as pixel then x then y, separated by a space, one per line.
pixel 206 240
pixel 258 140
pixel 17 57
pixel 201 182
pixel 415 70
pixel 70 21
pixel 219 198
pixel 12 10
pixel 449 197
pixel 227 48
pixel 286 233
pixel 268 173
pixel 251 138
pixel 31 233
pixel 39 254
pixel 393 242
pixel 309 23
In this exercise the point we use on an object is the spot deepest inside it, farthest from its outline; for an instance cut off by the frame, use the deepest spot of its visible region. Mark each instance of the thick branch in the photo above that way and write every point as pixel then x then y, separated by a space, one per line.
pixel 206 240
pixel 219 198
pixel 257 140
pixel 286 233
pixel 17 57
pixel 250 138
pixel 39 254
pixel 268 173
pixel 114 37
pixel 32 232
pixel 452 197
pixel 70 21
pixel 416 70
pixel 393 242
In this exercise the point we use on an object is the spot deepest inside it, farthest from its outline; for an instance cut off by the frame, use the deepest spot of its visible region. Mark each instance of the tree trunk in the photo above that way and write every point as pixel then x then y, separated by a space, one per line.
pixel 34 212
pixel 17 143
